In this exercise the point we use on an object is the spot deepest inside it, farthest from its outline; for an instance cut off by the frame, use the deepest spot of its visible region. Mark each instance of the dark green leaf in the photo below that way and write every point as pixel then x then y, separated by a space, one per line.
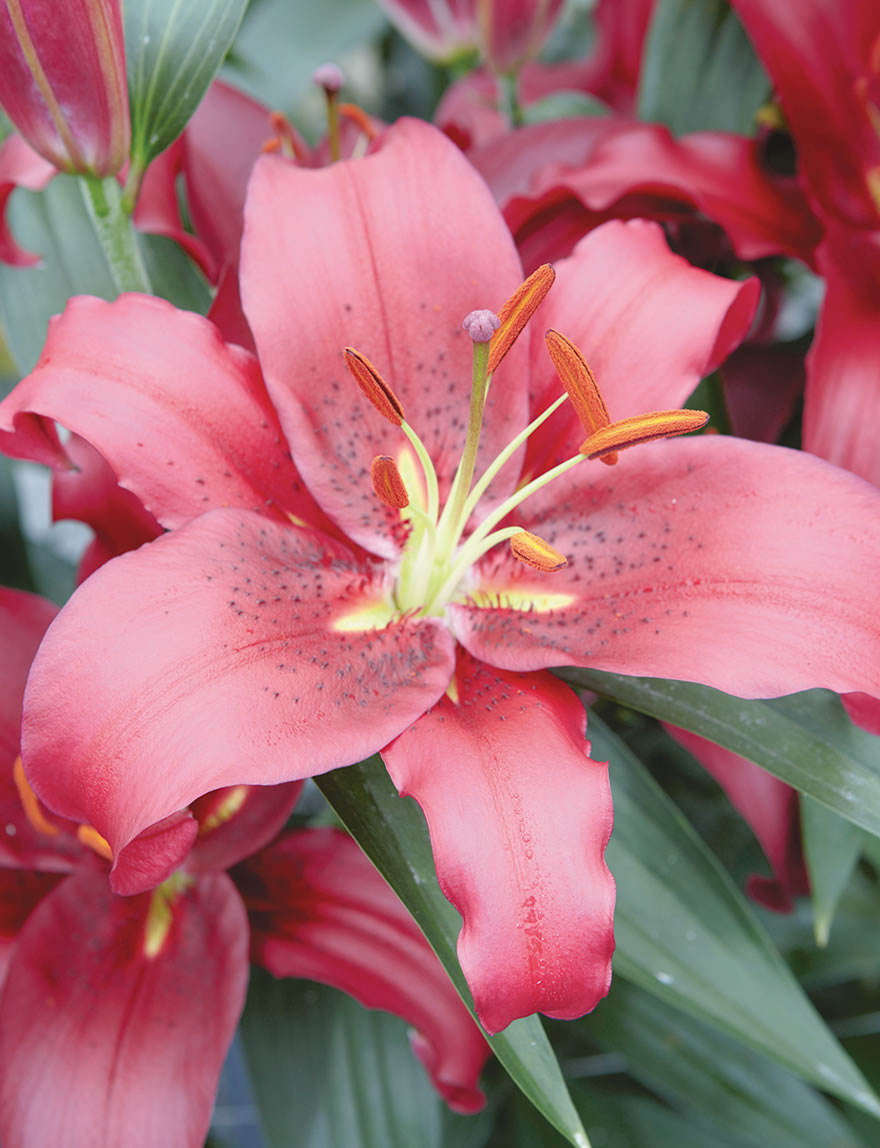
pixel 393 834
pixel 724 1085
pixel 685 933
pixel 805 739
pixel 14 566
pixel 328 1073
pixel 831 847
pixel 699 71
pixel 173 50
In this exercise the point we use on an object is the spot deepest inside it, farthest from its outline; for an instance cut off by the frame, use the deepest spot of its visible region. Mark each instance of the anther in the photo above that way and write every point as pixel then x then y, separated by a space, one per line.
pixel 374 387
pixel 359 118
pixel 93 839
pixel 580 385
pixel 481 325
pixel 535 552
pixel 517 311
pixel 641 428
pixel 388 483
pixel 30 802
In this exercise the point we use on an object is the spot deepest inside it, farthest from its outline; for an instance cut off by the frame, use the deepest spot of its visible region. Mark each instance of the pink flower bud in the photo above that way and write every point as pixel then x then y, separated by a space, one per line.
pixel 512 32
pixel 62 81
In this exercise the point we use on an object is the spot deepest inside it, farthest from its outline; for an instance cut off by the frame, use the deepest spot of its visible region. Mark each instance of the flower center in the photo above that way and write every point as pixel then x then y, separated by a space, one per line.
pixel 439 553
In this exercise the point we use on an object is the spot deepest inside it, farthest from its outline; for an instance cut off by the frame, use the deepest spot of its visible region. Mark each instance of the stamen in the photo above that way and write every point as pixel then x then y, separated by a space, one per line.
pixel 374 387
pixel 580 384
pixel 535 552
pixel 641 428
pixel 217 808
pixel 287 139
pixel 359 117
pixel 330 78
pixel 388 482
pixel 30 802
pixel 93 840
pixel 160 916
pixel 517 311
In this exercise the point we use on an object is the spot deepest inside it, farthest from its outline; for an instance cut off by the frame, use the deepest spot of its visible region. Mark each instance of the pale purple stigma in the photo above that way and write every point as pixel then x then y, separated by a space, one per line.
pixel 481 325
pixel 329 77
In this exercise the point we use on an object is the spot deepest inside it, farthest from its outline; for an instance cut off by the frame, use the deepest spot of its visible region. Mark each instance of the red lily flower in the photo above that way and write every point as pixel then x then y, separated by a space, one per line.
pixel 249 627
pixel 62 81
pixel 151 986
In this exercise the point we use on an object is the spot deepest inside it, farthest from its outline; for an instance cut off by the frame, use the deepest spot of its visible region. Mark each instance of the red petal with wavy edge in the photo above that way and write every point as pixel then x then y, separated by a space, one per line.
pixel 825 72
pixel 91 494
pixel 720 176
pixel 212 657
pixel 519 818
pixel 842 403
pixel 746 567
pixel 320 910
pixel 182 418
pixel 103 1044
pixel 416 243
pixel 20 166
pixel 769 806
pixel 650 326
pixel 863 710
pixel 237 821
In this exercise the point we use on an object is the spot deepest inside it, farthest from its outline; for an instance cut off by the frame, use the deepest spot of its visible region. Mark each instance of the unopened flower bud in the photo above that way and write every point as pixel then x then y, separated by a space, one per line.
pixel 481 325
pixel 62 81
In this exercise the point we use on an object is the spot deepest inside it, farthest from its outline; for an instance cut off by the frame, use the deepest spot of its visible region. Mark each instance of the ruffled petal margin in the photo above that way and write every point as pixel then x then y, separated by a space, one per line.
pixel 519 817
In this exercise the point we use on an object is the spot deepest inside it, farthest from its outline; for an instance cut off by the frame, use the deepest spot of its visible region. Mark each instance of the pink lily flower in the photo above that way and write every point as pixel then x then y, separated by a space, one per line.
pixel 151 986
pixel 254 644
pixel 62 81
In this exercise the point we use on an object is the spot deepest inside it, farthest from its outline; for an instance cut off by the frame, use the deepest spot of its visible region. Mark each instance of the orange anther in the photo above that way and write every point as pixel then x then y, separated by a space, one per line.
pixel 641 428
pixel 517 311
pixel 535 552
pixel 580 384
pixel 93 839
pixel 374 387
pixel 360 118
pixel 30 802
pixel 388 483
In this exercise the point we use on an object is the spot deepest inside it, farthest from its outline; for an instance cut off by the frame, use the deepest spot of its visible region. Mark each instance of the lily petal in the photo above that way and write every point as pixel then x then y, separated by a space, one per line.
pixel 149 1032
pixel 20 166
pixel 181 417
pixel 319 909
pixel 218 655
pixel 700 545
pixel 415 193
pixel 648 323
pixel 769 806
pixel 842 401
pixel 519 819
pixel 237 821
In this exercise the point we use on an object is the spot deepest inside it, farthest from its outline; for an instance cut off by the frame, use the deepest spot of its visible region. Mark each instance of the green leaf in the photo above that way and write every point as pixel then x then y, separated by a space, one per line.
pixel 563 106
pixel 14 565
pixel 53 224
pixel 699 71
pixel 805 739
pixel 328 1073
pixel 731 1090
pixel 393 834
pixel 282 42
pixel 686 934
pixel 831 847
pixel 173 50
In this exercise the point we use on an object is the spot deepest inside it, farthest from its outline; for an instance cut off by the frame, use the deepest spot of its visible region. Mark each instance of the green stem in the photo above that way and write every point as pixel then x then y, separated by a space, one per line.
pixel 115 232
pixel 508 99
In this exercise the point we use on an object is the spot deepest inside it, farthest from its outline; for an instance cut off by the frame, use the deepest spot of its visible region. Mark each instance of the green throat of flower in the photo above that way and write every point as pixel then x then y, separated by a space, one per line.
pixel 438 553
